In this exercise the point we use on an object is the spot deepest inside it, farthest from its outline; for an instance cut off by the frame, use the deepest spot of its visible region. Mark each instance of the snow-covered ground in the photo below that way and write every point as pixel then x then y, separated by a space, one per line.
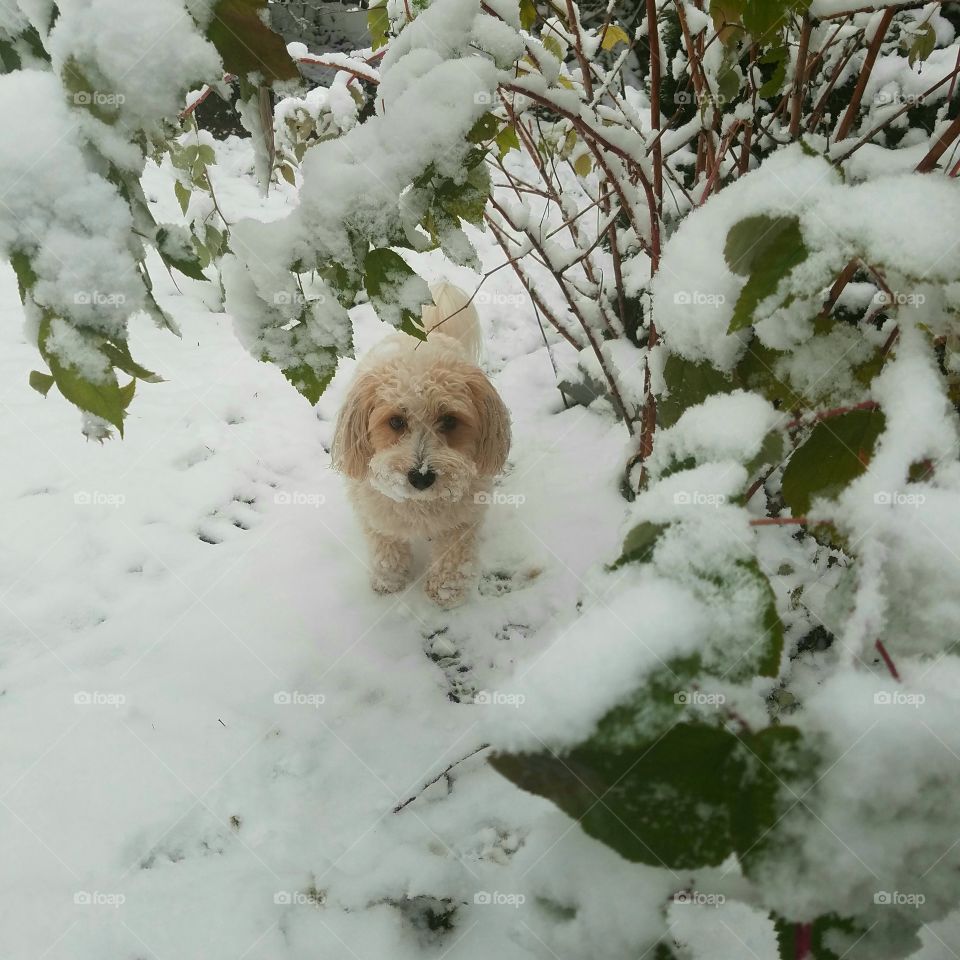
pixel 209 719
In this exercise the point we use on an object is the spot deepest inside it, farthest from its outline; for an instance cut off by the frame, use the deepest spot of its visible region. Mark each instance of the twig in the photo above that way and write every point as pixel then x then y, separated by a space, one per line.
pixel 873 50
pixel 443 773
pixel 835 412
pixel 891 666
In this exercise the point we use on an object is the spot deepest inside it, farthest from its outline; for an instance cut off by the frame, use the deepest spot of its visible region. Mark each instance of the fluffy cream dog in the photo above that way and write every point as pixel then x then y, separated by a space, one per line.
pixel 420 437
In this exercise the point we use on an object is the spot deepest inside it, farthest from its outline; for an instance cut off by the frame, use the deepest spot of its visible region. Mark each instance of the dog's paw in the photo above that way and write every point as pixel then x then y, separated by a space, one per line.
pixel 447 590
pixel 392 581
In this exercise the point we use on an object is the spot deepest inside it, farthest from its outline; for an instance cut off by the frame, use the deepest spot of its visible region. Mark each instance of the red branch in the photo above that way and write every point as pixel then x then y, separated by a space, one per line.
pixel 836 412
pixel 778 521
pixel 891 666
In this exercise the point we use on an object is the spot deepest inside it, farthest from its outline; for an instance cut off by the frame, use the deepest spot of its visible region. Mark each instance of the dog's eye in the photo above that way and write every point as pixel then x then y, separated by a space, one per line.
pixel 397 423
pixel 447 423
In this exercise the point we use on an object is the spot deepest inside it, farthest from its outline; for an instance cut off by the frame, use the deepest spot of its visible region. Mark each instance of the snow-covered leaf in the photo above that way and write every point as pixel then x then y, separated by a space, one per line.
pixel 763 249
pixel 836 452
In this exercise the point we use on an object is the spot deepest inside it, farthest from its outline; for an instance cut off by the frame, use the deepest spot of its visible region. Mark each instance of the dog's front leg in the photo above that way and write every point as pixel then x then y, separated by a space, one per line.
pixel 451 566
pixel 391 560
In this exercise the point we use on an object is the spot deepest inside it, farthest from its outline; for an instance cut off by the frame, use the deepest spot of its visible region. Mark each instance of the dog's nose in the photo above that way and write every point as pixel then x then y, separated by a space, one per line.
pixel 420 481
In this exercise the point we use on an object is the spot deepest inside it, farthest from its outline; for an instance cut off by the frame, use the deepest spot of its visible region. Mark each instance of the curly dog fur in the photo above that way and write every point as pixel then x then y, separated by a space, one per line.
pixel 420 437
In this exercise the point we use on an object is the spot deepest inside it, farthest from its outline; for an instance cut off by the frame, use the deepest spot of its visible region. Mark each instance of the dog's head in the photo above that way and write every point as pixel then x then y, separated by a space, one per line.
pixel 422 425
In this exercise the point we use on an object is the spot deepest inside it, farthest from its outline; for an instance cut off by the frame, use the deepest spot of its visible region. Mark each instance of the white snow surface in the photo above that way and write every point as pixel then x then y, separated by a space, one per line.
pixel 210 717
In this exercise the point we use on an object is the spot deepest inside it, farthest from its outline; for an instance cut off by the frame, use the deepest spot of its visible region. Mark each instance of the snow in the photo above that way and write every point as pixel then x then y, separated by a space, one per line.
pixel 189 637
pixel 837 221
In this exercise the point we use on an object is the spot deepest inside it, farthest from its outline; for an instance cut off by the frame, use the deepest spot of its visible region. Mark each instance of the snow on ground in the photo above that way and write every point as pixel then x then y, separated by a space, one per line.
pixel 208 715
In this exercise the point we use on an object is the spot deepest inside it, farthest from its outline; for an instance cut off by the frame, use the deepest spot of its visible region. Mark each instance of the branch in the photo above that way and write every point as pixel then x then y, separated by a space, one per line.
pixel 872 51
pixel 443 773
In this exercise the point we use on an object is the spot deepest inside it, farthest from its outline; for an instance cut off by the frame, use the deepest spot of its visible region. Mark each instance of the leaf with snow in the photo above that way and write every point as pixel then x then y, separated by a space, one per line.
pixel 763 249
pixel 396 292
pixel 246 44
pixel 836 453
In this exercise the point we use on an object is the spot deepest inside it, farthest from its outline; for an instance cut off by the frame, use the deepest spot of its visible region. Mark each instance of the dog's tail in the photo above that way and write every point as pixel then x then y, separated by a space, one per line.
pixel 453 315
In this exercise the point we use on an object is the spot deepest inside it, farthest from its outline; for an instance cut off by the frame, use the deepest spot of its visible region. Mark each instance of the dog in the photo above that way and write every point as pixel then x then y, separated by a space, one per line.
pixel 420 437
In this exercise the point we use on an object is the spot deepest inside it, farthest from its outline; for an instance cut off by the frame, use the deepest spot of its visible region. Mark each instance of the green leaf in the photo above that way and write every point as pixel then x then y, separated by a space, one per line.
pixel 308 380
pixel 86 95
pixel 528 14
pixel 662 803
pixel 288 174
pixel 755 371
pixel 764 18
pixel 160 316
pixel 186 262
pixel 26 276
pixel 394 288
pixel 41 382
pixel 103 398
pixel 507 140
pixel 206 155
pixel 484 129
pixel 779 56
pixel 246 44
pixel 552 44
pixel 836 453
pixel 639 543
pixel 689 383
pixel 467 200
pixel 769 455
pixel 183 195
pixel 728 81
pixel 119 355
pixel 772 636
pixel 9 58
pixel 378 23
pixel 777 766
pixel 923 45
pixel 764 249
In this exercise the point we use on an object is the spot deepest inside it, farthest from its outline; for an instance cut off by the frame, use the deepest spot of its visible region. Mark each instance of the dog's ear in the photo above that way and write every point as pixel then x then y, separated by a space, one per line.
pixel 351 450
pixel 493 422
